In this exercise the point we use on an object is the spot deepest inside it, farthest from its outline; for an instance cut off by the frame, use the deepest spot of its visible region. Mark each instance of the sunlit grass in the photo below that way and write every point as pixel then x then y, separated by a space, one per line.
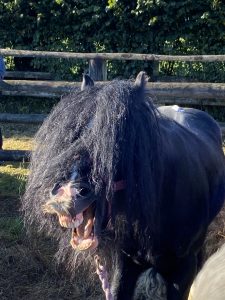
pixel 13 175
pixel 13 178
pixel 17 144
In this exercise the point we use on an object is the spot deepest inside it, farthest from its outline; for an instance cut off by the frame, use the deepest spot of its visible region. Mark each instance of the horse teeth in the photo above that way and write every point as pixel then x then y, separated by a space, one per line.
pixel 77 223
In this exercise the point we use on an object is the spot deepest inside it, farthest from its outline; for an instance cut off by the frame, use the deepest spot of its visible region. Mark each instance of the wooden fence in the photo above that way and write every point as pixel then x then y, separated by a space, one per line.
pixel 42 85
pixel 162 92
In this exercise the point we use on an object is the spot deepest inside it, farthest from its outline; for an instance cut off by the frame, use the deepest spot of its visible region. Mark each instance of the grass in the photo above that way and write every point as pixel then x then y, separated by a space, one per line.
pixel 13 175
pixel 27 271
pixel 13 178
pixel 11 228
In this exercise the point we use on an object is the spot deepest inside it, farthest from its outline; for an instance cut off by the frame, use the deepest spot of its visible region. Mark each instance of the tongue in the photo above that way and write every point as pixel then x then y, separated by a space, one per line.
pixel 82 227
pixel 83 237
pixel 85 229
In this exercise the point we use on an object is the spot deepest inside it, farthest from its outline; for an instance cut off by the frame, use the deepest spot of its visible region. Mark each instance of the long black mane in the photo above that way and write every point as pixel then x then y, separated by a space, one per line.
pixel 114 126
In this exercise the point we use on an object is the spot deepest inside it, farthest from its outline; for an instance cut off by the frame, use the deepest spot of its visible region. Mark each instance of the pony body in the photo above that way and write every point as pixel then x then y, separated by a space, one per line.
pixel 174 178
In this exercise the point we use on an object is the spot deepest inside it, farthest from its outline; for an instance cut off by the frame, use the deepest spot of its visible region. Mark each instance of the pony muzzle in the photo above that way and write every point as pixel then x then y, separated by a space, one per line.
pixel 82 224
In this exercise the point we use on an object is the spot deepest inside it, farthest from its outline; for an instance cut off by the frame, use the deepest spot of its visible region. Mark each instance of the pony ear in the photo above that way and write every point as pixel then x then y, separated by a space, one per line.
pixel 87 82
pixel 141 80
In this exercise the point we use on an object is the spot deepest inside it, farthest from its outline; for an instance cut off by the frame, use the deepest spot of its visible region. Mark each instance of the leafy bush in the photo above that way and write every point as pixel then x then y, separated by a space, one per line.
pixel 142 26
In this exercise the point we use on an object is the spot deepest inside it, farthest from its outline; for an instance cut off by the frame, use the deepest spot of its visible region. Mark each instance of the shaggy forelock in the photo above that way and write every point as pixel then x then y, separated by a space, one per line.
pixel 103 123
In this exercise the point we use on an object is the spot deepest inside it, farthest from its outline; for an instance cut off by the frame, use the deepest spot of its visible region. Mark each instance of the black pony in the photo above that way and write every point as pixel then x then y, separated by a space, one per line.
pixel 137 185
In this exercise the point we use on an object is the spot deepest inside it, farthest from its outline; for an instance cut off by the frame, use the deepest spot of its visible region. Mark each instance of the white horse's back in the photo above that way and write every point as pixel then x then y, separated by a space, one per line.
pixel 210 282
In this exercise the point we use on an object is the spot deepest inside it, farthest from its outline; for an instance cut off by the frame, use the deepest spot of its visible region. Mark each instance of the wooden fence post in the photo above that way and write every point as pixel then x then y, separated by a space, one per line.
pixel 155 71
pixel 98 69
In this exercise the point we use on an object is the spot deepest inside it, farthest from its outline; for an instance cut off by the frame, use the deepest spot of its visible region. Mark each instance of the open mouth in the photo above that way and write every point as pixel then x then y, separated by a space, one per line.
pixel 81 224
pixel 83 237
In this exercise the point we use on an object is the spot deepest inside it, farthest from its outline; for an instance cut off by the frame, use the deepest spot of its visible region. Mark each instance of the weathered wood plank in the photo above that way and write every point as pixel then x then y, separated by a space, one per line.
pixel 98 69
pixel 22 118
pixel 38 88
pixel 187 101
pixel 157 90
pixel 112 56
pixel 39 118
pixel 57 87
pixel 28 75
pixel 199 90
pixel 14 155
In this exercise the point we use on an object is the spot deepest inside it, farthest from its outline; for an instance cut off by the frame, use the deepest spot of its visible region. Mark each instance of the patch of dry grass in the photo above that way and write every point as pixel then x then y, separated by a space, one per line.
pixel 13 178
pixel 27 272
pixel 27 269
pixel 216 234
pixel 13 175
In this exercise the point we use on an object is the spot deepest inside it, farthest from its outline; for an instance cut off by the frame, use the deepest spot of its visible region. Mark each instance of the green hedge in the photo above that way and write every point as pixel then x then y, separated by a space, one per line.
pixel 142 26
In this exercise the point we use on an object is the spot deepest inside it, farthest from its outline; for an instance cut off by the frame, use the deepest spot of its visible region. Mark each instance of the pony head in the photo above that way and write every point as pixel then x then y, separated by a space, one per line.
pixel 85 158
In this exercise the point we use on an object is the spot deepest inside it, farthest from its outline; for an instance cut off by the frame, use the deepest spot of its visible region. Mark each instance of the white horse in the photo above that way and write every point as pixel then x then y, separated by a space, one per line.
pixel 210 282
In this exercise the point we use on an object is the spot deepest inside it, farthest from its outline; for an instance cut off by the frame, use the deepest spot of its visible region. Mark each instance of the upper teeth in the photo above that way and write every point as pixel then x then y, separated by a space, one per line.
pixel 77 222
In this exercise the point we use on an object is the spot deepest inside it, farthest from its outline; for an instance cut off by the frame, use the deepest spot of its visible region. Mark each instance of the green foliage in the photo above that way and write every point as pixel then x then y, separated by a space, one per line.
pixel 142 26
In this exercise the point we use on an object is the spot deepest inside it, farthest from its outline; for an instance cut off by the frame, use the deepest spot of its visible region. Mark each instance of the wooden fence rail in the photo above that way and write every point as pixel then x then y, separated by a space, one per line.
pixel 161 92
pixel 28 75
pixel 15 155
pixel 39 118
pixel 112 56
pixel 22 118
pixel 41 85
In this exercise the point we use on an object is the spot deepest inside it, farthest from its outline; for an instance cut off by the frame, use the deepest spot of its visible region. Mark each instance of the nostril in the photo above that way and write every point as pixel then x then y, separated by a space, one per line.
pixel 84 192
pixel 55 188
